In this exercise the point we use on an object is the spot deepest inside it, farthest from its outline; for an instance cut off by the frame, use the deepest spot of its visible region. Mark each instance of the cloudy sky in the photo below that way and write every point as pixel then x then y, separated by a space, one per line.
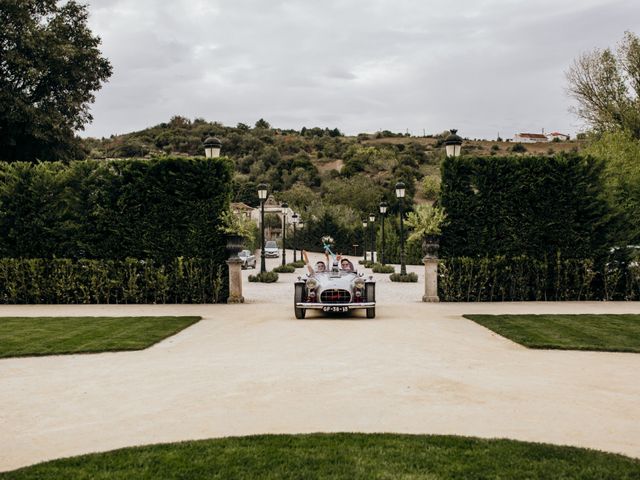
pixel 483 66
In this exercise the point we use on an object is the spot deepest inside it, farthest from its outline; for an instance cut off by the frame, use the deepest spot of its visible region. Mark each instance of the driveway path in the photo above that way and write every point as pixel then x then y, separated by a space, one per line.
pixel 246 369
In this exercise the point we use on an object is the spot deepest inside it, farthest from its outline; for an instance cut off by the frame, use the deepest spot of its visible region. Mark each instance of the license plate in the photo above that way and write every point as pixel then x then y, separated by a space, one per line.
pixel 335 309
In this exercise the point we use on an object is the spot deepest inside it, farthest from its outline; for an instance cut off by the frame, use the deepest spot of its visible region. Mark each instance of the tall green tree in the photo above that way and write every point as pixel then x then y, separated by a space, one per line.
pixel 606 86
pixel 50 67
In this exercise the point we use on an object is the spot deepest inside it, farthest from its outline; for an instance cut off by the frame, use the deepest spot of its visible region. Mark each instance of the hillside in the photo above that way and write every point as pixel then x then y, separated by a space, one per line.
pixel 312 163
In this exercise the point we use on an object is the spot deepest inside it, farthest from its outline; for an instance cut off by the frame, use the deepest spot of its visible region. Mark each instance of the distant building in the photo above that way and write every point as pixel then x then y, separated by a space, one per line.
pixel 530 138
pixel 241 209
pixel 557 135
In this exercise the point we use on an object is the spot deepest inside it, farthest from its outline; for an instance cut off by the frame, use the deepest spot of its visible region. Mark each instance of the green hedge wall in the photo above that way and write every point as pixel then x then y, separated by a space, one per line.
pixel 158 209
pixel 525 279
pixel 65 281
pixel 70 233
pixel 533 206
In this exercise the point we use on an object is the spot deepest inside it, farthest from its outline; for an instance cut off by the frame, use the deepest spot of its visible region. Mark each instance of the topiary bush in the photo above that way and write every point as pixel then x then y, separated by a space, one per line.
pixel 298 264
pixel 409 277
pixel 285 269
pixel 264 277
pixel 379 268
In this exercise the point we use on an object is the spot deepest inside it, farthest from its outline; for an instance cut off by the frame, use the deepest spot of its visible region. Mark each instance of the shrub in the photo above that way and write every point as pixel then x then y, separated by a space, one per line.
pixel 285 269
pixel 431 187
pixel 298 264
pixel 366 263
pixel 409 277
pixel 518 148
pixel 379 268
pixel 524 278
pixel 530 205
pixel 68 281
pixel 264 277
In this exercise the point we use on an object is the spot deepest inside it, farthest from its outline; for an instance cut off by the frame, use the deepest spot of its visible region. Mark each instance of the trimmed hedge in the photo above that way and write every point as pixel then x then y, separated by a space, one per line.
pixel 533 206
pixel 264 277
pixel 530 279
pixel 70 232
pixel 66 281
pixel 159 209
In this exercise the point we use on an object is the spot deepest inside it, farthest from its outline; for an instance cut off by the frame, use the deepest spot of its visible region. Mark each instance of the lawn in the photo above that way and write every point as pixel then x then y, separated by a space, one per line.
pixel 30 336
pixel 611 333
pixel 339 456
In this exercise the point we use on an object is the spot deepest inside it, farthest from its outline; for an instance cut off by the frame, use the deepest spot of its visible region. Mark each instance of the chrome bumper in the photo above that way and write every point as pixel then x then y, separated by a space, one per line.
pixel 320 306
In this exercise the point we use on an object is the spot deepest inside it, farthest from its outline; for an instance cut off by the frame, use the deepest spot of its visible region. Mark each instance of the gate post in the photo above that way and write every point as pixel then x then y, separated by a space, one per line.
pixel 235 280
pixel 430 279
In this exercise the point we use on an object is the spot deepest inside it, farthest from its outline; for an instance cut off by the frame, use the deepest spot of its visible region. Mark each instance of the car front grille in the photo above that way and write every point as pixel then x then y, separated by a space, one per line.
pixel 335 296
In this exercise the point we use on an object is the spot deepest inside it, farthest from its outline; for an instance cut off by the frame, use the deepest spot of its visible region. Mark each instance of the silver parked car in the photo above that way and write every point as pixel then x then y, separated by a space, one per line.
pixel 335 291
pixel 271 249
pixel 248 259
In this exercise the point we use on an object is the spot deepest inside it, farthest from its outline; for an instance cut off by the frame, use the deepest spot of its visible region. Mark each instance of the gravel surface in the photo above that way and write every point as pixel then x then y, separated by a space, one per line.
pixel 253 368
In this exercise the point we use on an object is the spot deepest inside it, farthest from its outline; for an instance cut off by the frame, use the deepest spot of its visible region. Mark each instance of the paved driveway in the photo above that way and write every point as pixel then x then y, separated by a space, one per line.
pixel 245 369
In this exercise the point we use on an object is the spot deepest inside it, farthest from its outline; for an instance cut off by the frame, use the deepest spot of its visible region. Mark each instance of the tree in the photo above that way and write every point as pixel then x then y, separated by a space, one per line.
pixel 50 67
pixel 606 86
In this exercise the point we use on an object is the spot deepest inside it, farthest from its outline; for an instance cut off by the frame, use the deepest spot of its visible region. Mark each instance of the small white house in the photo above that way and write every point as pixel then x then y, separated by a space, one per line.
pixel 530 138
pixel 557 136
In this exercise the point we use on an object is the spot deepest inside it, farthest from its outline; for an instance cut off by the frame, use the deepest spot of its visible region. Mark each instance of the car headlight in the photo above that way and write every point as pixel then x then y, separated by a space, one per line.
pixel 311 283
pixel 359 282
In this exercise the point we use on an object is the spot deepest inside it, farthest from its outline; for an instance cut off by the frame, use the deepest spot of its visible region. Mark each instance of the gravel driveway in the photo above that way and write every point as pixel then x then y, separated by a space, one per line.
pixel 253 368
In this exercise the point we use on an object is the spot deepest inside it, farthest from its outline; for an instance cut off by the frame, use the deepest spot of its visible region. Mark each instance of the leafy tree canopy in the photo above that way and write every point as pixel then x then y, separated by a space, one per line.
pixel 50 67
pixel 606 86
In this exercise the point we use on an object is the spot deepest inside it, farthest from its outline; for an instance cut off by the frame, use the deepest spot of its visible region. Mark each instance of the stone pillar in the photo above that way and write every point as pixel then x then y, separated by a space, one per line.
pixel 430 279
pixel 235 280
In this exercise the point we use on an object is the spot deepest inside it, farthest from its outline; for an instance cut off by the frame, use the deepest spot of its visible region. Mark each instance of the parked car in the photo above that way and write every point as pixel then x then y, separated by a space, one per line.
pixel 248 259
pixel 335 291
pixel 271 249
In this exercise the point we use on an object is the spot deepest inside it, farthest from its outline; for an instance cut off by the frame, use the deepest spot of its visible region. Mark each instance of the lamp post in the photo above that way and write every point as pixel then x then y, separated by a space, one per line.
pixel 294 221
pixel 301 225
pixel 364 239
pixel 400 191
pixel 372 219
pixel 383 211
pixel 284 232
pixel 453 144
pixel 262 195
pixel 212 147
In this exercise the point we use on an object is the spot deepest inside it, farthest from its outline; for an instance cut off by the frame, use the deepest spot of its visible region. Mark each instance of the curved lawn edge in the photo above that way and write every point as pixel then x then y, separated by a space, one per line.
pixel 22 337
pixel 339 455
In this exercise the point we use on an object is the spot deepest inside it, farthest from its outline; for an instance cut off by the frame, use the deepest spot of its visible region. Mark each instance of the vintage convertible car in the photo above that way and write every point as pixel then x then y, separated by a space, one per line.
pixel 335 291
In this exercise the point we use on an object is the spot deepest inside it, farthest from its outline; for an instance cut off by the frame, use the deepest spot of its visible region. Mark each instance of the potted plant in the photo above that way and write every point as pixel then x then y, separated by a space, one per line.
pixel 236 229
pixel 425 222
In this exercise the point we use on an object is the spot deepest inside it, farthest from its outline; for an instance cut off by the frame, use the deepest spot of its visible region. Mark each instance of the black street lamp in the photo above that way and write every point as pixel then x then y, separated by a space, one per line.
pixel 294 220
pixel 364 239
pixel 284 232
pixel 400 191
pixel 212 147
pixel 453 144
pixel 301 225
pixel 383 212
pixel 262 195
pixel 372 219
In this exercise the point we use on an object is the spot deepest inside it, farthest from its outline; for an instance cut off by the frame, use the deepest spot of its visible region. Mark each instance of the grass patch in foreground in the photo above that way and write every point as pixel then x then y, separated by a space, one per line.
pixel 339 456
pixel 31 336
pixel 610 333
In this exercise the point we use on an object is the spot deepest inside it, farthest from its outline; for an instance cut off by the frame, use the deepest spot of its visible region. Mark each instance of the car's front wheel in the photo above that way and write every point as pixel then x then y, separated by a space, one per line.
pixel 297 297
pixel 370 292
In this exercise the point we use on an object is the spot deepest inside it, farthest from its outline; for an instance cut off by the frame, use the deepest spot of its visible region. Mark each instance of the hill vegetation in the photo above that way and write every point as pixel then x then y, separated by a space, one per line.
pixel 312 165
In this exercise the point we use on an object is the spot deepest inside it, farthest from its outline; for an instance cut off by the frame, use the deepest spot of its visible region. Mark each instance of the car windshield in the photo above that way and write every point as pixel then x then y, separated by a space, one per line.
pixel 271 244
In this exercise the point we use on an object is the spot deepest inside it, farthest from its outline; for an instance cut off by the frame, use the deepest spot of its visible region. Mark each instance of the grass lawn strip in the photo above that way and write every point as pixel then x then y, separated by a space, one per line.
pixel 34 336
pixel 610 333
pixel 339 456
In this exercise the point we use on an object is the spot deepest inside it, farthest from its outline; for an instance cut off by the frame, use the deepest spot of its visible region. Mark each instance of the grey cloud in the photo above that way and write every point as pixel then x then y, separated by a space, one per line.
pixel 360 65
